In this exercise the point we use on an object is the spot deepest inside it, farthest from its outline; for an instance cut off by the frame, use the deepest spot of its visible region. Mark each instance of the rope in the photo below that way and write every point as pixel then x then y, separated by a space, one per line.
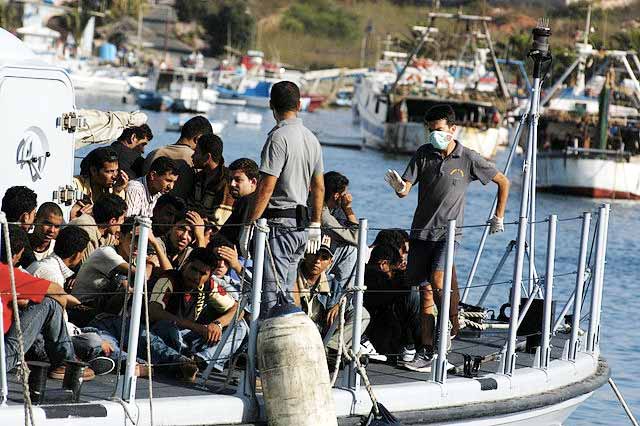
pixel 350 356
pixel 23 370
pixel 334 376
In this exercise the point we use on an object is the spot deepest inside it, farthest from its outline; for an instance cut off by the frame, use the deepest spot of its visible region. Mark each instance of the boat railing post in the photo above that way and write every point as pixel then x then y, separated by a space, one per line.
pixel 596 283
pixel 605 237
pixel 545 351
pixel 496 273
pixel 256 297
pixel 577 299
pixel 129 389
pixel 3 359
pixel 354 379
pixel 443 309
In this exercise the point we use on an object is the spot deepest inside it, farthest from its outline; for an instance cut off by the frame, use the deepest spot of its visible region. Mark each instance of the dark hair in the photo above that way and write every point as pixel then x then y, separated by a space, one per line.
pixel 97 158
pixel 334 183
pixel 17 201
pixel 391 237
pixel 196 126
pixel 170 199
pixel 48 208
pixel 19 240
pixel 440 112
pixel 385 252
pixel 162 165
pixel 203 255
pixel 285 96
pixel 107 207
pixel 217 241
pixel 128 225
pixel 71 240
pixel 246 166
pixel 141 132
pixel 211 144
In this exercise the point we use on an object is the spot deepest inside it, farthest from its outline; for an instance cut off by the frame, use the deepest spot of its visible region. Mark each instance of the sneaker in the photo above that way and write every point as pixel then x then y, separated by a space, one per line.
pixel 408 354
pixel 58 373
pixel 366 348
pixel 421 363
pixel 102 365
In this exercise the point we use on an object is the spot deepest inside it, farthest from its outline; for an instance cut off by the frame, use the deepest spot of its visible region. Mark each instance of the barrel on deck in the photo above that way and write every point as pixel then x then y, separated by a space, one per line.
pixel 293 369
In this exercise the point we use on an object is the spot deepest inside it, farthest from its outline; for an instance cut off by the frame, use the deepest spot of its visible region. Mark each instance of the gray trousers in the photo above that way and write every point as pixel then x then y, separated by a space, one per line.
pixel 287 246
pixel 348 329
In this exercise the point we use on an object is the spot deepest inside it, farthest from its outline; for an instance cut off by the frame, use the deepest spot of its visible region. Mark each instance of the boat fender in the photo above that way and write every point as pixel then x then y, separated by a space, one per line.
pixel 293 369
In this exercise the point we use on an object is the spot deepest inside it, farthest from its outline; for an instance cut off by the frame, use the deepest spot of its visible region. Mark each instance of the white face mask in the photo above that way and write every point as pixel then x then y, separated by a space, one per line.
pixel 439 139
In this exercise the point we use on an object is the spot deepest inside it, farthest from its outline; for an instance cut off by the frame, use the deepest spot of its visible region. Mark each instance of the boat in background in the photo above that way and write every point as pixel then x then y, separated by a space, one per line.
pixel 589 138
pixel 175 123
pixel 390 102
pixel 249 118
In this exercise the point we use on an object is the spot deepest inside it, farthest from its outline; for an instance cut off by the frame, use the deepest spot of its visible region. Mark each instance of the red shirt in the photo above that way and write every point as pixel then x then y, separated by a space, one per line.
pixel 27 286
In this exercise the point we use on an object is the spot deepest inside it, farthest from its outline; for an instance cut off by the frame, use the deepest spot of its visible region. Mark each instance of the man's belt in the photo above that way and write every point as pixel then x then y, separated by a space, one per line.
pixel 280 213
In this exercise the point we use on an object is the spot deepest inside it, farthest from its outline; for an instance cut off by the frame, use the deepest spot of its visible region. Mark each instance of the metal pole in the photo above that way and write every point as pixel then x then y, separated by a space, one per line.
pixel 626 408
pixel 354 378
pixel 545 351
pixel 485 233
pixel 533 138
pixel 3 354
pixel 443 309
pixel 510 354
pixel 577 304
pixel 605 234
pixel 256 295
pixel 595 291
pixel 505 256
pixel 129 389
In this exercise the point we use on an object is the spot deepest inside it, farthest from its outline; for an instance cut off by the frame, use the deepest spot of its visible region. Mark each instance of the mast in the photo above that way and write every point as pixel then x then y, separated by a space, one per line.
pixel 580 78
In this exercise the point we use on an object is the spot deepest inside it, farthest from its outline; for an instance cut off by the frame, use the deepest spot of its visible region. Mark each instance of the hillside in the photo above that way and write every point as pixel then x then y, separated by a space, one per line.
pixel 306 47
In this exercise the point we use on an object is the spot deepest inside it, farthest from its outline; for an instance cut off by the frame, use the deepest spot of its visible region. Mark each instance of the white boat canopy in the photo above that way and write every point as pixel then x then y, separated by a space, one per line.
pixel 105 126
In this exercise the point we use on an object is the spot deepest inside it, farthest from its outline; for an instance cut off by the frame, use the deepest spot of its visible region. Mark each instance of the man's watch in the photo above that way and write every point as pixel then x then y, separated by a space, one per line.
pixel 216 322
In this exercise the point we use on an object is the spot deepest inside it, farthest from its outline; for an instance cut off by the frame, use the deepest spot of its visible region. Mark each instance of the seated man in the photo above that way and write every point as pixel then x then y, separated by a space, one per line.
pixel 47 224
pixel 228 270
pixel 19 204
pixel 58 268
pixel 189 312
pixel 41 305
pixel 394 309
pixel 165 213
pixel 244 177
pixel 176 244
pixel 102 278
pixel 100 174
pixel 143 193
pixel 130 146
pixel 319 294
pixel 103 223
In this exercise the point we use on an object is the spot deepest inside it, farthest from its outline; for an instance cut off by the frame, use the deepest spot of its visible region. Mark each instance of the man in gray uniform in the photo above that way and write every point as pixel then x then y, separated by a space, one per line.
pixel 442 169
pixel 291 165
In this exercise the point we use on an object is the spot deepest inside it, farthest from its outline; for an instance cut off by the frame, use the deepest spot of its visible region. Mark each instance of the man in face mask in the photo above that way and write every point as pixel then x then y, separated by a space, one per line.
pixel 442 169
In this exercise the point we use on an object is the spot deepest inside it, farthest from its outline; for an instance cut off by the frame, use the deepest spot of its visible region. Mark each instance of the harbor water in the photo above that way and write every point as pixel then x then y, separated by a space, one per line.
pixel 373 199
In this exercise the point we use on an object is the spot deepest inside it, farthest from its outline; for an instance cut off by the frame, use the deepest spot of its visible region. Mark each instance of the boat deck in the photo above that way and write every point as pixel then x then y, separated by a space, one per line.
pixel 488 347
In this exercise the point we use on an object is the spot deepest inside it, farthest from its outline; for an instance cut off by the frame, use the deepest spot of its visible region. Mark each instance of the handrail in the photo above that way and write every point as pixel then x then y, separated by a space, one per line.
pixel 354 378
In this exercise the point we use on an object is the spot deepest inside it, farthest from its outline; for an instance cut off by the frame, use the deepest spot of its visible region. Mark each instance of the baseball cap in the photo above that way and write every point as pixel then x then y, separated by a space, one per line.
pixel 326 245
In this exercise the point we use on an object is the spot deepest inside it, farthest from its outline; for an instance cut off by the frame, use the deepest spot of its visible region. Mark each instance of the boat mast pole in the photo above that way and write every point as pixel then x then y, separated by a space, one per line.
pixel 540 54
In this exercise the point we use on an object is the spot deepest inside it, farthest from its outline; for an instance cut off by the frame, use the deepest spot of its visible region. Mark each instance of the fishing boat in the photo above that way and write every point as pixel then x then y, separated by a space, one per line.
pixel 504 372
pixel 390 102
pixel 590 138
pixel 175 123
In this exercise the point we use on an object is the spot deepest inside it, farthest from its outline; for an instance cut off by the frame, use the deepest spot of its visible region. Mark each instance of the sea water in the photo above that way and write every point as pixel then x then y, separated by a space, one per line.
pixel 373 199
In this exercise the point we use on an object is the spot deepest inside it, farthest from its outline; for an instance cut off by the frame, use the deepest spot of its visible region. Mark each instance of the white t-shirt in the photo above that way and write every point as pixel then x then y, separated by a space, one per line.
pixel 40 255
pixel 96 272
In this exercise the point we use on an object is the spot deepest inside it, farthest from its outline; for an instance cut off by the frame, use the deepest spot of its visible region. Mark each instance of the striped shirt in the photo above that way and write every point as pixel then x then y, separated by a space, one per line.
pixel 139 200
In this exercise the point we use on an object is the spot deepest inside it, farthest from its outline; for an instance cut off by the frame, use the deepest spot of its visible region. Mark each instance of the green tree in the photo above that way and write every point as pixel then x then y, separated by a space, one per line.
pixel 10 16
pixel 231 18
pixel 191 10
pixel 322 18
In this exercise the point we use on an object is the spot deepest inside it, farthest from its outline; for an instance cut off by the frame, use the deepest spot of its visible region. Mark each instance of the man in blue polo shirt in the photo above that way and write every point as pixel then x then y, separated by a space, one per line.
pixel 290 173
pixel 442 169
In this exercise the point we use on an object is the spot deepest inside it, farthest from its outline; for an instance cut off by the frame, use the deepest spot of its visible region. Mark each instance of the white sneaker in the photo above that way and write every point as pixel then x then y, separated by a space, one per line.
pixel 366 348
pixel 408 354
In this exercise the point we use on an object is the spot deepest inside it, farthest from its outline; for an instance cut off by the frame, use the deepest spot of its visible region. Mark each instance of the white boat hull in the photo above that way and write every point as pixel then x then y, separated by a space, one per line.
pixel 591 177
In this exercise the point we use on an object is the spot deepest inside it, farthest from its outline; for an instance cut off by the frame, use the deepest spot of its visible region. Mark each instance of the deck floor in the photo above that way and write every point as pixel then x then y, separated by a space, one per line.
pixel 102 388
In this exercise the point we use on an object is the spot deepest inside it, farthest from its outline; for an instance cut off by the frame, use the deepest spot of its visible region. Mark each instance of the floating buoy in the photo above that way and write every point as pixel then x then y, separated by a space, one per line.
pixel 293 369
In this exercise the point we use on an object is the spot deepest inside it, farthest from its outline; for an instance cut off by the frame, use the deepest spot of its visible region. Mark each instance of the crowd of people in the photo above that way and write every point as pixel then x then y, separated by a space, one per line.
pixel 74 278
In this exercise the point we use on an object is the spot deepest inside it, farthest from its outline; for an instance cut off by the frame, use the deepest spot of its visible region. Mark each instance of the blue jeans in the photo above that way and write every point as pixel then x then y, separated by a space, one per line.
pixel 109 328
pixel 343 269
pixel 37 318
pixel 287 246
pixel 174 342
